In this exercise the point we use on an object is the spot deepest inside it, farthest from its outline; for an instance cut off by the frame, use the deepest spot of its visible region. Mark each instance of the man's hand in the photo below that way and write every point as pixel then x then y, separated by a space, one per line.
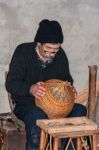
pixel 37 90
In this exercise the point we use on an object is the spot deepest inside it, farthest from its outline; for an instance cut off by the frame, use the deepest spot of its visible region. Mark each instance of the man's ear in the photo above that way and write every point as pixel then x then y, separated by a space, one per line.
pixel 38 44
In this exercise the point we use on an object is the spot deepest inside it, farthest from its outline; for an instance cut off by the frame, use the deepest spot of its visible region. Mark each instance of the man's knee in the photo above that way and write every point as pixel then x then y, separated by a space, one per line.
pixel 78 110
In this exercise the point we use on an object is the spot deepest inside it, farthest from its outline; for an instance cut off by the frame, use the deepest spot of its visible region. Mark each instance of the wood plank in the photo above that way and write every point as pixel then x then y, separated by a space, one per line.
pixel 67 125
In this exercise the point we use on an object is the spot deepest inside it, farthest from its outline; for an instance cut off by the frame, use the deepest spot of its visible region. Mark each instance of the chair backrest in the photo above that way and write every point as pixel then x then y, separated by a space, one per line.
pixel 12 106
pixel 88 96
pixel 11 103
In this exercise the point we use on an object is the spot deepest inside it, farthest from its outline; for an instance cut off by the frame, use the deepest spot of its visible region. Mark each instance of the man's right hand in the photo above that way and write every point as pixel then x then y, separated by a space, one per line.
pixel 37 90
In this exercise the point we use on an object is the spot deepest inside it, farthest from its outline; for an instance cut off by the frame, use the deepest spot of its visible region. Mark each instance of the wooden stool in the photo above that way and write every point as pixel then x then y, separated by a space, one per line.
pixel 76 127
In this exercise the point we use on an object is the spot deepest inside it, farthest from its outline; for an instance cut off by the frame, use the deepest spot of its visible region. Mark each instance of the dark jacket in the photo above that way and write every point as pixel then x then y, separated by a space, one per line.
pixel 25 69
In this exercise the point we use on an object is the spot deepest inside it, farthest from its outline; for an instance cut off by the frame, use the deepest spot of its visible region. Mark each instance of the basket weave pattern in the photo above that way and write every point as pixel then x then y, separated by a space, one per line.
pixel 58 100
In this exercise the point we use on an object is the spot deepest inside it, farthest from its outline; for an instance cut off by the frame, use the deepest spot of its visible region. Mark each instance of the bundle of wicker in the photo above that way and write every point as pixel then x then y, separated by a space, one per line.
pixel 58 100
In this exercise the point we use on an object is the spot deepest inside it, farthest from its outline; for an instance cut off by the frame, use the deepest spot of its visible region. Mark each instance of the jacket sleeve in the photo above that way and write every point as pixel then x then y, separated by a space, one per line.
pixel 15 82
pixel 65 67
pixel 68 74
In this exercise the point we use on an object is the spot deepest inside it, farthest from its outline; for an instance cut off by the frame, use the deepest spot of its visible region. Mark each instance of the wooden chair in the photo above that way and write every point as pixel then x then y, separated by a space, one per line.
pixel 80 128
pixel 90 97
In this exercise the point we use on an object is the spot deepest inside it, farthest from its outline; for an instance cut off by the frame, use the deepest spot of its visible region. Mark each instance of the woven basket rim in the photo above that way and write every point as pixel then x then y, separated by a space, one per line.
pixel 52 98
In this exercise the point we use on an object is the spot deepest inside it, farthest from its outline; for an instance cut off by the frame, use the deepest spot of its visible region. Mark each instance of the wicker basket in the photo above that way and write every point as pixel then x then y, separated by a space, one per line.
pixel 58 100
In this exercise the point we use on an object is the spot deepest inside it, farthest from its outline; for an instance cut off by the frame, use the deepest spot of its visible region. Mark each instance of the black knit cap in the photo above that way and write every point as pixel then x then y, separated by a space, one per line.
pixel 49 32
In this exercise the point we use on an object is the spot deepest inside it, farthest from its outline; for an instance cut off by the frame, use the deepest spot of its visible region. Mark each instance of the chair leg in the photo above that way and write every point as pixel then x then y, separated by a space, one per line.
pixel 79 144
pixel 42 140
pixel 55 144
pixel 94 141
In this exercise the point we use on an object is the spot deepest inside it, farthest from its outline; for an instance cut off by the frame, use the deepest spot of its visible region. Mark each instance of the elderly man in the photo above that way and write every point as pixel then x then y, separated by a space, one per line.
pixel 31 65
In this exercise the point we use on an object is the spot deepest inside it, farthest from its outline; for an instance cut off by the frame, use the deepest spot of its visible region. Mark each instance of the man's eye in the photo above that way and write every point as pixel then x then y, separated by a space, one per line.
pixel 54 52
pixel 46 52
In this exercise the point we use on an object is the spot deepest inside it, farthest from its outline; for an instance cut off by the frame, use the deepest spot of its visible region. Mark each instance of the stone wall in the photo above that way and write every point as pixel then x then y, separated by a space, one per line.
pixel 79 19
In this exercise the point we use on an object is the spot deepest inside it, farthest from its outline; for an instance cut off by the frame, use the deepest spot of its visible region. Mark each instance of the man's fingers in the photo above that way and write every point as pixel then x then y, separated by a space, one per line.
pixel 39 94
pixel 40 90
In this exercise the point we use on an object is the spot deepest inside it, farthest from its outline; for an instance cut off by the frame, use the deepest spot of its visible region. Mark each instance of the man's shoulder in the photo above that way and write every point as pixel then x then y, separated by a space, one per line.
pixel 61 55
pixel 61 52
pixel 24 48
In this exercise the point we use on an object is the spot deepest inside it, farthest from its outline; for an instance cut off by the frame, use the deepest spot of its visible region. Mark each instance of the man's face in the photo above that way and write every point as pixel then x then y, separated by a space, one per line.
pixel 48 50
